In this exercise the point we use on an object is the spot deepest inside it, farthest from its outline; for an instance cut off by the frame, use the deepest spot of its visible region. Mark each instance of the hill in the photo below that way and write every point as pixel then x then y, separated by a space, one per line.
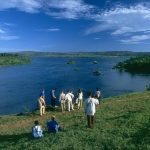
pixel 122 122
pixel 83 54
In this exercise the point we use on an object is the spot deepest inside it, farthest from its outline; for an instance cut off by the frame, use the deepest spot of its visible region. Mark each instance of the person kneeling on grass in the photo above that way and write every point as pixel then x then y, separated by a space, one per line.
pixel 53 126
pixel 37 131
pixel 90 109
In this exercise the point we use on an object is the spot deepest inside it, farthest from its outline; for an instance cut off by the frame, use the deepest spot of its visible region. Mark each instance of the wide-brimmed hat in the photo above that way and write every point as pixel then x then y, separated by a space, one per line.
pixel 53 117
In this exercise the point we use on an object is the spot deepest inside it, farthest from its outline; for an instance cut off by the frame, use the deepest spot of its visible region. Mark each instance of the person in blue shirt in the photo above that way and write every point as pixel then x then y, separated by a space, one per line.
pixel 53 126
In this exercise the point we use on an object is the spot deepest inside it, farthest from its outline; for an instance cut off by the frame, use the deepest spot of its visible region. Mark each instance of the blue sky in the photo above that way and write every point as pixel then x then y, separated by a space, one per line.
pixel 74 25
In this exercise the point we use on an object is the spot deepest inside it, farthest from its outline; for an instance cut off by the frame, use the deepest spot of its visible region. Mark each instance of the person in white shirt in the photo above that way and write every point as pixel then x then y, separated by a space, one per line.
pixel 80 99
pixel 62 101
pixel 37 131
pixel 69 96
pixel 90 109
pixel 98 93
pixel 42 105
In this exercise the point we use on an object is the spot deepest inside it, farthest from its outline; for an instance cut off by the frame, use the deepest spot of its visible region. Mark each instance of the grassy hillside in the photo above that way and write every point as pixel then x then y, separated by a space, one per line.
pixel 122 123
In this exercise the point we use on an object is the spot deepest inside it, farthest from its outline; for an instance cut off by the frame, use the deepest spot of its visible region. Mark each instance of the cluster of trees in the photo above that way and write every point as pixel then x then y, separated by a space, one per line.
pixel 139 64
pixel 7 59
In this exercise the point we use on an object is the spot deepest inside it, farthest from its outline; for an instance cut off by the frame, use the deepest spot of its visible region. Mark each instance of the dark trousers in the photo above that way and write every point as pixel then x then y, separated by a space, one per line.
pixel 53 102
pixel 90 120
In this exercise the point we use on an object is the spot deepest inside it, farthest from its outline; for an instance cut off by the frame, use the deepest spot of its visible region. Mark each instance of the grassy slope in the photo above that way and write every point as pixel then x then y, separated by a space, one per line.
pixel 121 123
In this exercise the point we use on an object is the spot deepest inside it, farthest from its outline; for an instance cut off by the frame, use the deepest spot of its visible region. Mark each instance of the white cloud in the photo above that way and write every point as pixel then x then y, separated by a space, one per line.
pixel 4 32
pixel 69 9
pixel 136 39
pixel 123 21
pixel 30 6
pixel 8 37
pixel 49 30
pixel 53 29
pixel 97 38
pixel 122 30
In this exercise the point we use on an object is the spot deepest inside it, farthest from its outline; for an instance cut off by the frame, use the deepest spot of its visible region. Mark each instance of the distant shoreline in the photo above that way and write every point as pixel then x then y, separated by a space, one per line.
pixel 82 54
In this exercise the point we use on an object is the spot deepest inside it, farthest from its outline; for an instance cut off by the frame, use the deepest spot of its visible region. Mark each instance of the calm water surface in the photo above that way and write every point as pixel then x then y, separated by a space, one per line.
pixel 20 85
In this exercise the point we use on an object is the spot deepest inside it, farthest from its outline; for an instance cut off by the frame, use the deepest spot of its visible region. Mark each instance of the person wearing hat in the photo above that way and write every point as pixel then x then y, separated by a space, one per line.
pixel 52 125
pixel 37 131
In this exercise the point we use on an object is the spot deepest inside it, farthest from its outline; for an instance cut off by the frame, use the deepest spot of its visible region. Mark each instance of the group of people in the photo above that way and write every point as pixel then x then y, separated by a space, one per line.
pixel 66 102
pixel 52 126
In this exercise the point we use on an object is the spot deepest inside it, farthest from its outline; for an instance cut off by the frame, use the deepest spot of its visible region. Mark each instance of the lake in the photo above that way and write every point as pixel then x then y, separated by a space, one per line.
pixel 21 85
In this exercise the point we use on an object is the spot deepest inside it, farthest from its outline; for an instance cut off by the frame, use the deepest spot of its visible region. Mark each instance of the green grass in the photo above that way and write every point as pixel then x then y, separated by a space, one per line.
pixel 122 123
pixel 13 59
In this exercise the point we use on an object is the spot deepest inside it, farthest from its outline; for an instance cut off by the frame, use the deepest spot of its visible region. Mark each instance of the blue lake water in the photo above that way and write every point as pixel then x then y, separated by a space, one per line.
pixel 21 85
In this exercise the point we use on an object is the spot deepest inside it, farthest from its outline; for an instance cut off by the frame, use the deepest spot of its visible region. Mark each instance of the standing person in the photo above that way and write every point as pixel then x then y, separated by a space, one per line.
pixel 80 98
pixel 53 98
pixel 90 109
pixel 37 131
pixel 98 93
pixel 69 96
pixel 62 101
pixel 42 105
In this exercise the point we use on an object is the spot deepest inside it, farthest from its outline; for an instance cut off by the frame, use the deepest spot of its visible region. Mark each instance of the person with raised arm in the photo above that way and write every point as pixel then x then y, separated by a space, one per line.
pixel 69 96
pixel 90 109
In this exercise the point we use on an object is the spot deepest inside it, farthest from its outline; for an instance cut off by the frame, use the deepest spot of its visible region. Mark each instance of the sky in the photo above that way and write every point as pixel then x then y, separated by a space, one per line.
pixel 74 25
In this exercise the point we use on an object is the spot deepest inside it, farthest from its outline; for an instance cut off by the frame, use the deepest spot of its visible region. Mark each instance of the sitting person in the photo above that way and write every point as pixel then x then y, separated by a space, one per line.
pixel 53 126
pixel 37 131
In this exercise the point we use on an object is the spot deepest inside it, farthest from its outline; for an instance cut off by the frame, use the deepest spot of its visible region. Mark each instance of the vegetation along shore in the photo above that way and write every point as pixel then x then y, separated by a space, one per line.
pixel 140 64
pixel 122 122
pixel 8 59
